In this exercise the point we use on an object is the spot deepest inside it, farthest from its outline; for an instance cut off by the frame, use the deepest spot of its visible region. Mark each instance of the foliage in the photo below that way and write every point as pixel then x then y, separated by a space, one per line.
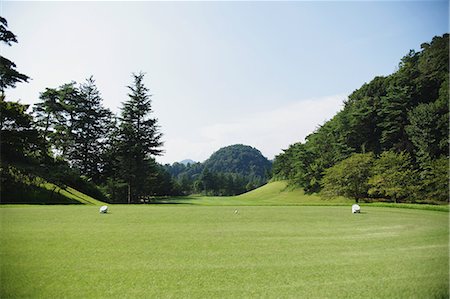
pixel 435 180
pixel 428 125
pixel 19 139
pixel 231 170
pixel 405 112
pixel 9 76
pixel 240 159
pixel 136 140
pixel 349 177
pixel 394 176
pixel 72 140
pixel 90 126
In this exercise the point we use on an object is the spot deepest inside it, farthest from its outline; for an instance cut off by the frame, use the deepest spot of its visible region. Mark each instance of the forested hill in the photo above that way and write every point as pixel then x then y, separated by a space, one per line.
pixel 230 170
pixel 393 130
pixel 240 159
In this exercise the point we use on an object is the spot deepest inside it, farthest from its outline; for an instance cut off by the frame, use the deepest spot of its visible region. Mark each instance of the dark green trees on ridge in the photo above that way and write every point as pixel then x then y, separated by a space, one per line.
pixel 405 114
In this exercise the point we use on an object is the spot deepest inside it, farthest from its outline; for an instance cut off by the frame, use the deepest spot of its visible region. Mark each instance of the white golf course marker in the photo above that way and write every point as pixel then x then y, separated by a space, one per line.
pixel 356 209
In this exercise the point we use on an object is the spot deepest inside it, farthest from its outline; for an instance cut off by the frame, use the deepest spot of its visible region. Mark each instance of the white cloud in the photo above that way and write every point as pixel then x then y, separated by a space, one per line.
pixel 269 131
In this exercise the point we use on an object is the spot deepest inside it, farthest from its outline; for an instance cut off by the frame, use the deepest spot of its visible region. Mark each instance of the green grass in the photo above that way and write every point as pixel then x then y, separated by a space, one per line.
pixel 272 194
pixel 279 194
pixel 75 195
pixel 178 251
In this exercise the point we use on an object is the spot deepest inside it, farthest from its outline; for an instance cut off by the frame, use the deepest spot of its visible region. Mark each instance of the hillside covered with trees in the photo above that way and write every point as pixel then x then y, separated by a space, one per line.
pixel 231 170
pixel 389 142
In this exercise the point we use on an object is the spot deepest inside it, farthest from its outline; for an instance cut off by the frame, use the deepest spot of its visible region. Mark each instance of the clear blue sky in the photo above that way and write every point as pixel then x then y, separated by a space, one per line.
pixel 264 74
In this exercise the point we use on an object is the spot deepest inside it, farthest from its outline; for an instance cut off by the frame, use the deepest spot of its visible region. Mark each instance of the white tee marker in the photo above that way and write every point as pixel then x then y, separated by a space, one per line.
pixel 356 209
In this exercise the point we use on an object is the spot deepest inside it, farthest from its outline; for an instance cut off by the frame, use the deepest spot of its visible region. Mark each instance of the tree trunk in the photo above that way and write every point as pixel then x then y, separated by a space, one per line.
pixel 129 193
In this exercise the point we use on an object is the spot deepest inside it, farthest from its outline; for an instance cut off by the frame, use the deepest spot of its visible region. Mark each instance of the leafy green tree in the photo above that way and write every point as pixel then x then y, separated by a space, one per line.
pixel 20 141
pixel 434 180
pixel 349 177
pixel 9 76
pixel 208 180
pixel 138 139
pixel 428 127
pixel 55 115
pixel 394 176
pixel 46 112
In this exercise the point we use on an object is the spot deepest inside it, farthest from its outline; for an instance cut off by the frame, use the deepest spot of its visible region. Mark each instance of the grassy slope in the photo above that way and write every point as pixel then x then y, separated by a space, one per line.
pixel 209 252
pixel 271 194
pixel 60 196
pixel 279 194
pixel 75 195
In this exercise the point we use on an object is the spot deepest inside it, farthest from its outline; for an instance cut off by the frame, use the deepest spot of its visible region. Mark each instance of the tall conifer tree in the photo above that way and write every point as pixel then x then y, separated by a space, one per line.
pixel 90 126
pixel 138 139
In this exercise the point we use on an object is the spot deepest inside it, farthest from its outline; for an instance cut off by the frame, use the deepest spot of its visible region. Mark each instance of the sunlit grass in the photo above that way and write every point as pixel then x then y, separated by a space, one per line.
pixel 210 251
pixel 72 194
pixel 271 194
pixel 278 193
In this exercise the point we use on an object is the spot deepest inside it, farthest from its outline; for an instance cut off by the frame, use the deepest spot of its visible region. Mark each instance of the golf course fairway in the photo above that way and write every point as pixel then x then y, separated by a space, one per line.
pixel 143 251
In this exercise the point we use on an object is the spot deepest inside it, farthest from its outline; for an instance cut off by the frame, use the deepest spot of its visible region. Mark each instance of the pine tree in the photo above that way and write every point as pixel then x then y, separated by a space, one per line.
pixel 138 139
pixel 90 125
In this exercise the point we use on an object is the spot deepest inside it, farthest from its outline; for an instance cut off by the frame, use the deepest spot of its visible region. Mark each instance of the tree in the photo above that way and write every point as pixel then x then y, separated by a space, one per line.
pixel 55 116
pixel 19 140
pixel 9 76
pixel 349 177
pixel 46 112
pixel 90 124
pixel 393 176
pixel 434 180
pixel 393 118
pixel 327 145
pixel 428 127
pixel 362 111
pixel 138 139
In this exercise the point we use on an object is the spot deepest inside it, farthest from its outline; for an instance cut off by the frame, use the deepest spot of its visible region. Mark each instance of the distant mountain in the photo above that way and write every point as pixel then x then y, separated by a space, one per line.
pixel 239 159
pixel 187 161
pixel 231 170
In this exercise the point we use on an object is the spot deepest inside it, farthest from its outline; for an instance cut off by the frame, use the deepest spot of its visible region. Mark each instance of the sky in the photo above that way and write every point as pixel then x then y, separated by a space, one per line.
pixel 264 74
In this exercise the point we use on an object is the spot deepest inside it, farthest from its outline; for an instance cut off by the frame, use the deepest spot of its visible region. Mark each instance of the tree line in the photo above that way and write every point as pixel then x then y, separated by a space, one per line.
pixel 70 138
pixel 389 142
pixel 231 170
